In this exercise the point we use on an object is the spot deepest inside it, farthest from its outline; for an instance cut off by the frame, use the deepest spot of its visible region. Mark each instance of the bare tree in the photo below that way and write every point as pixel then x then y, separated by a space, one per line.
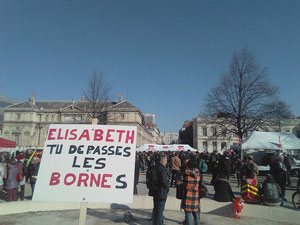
pixel 239 100
pixel 97 96
pixel 279 112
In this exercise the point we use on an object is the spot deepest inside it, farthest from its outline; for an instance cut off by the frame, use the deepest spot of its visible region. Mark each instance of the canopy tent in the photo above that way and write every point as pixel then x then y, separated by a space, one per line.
pixel 5 143
pixel 182 148
pixel 272 141
pixel 155 147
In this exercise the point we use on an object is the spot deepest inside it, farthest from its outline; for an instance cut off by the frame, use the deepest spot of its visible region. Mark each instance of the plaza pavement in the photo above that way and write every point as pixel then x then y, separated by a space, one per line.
pixel 34 213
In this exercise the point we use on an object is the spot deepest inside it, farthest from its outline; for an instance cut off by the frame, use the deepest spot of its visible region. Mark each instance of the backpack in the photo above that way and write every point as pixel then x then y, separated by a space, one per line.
pixel 202 166
pixel 151 179
pixel 20 174
pixel 271 192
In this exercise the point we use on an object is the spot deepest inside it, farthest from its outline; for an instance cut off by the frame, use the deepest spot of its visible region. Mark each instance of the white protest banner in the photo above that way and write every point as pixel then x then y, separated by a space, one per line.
pixel 87 163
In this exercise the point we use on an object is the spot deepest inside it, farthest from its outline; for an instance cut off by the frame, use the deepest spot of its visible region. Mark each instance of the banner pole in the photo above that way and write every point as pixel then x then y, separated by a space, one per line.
pixel 83 205
pixel 82 216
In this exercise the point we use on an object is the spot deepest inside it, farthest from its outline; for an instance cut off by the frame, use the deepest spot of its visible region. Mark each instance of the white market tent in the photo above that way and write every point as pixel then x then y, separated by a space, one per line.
pixel 155 147
pixel 272 141
pixel 152 148
pixel 182 148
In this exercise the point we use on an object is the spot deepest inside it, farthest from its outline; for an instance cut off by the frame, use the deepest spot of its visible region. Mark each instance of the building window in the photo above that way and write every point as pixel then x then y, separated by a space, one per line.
pixel 287 130
pixel 214 131
pixel 223 145
pixel 122 116
pixel 17 138
pixel 224 132
pixel 18 116
pixel 204 129
pixel 204 146
pixel 214 145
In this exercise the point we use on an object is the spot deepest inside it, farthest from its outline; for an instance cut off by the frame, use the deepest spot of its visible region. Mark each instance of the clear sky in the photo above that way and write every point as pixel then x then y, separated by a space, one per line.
pixel 162 55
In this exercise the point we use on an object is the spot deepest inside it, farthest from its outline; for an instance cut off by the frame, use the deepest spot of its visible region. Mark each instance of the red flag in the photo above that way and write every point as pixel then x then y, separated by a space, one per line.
pixel 280 145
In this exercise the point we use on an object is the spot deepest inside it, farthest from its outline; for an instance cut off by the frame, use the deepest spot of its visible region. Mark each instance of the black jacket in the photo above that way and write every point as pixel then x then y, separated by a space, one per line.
pixel 223 191
pixel 275 188
pixel 163 184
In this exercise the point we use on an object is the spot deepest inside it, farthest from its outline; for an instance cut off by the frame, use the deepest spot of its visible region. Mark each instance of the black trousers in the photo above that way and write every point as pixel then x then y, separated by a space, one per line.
pixel 175 174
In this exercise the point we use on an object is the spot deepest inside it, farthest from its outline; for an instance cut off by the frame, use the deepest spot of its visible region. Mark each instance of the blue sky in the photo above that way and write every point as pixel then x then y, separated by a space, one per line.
pixel 163 55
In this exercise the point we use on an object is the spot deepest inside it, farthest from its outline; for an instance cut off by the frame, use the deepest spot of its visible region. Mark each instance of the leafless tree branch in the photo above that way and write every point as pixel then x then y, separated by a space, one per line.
pixel 97 96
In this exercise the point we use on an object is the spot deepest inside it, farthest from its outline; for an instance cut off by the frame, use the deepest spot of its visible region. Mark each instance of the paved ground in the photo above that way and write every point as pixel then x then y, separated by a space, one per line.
pixel 113 216
pixel 142 189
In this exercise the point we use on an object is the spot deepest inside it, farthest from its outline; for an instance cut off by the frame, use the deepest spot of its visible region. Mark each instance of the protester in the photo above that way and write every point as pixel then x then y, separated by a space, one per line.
pixel 223 191
pixel 280 174
pixel 202 166
pixel 271 192
pixel 249 187
pixel 136 174
pixel 161 194
pixel 224 167
pixel 1 174
pixel 175 164
pixel 22 165
pixel 214 166
pixel 253 168
pixel 237 167
pixel 190 197
pixel 33 168
pixel 288 162
pixel 11 183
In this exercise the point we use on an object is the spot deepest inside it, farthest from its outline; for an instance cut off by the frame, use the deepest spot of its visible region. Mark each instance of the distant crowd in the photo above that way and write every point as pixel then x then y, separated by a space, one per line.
pixel 181 170
pixel 15 171
pixel 184 170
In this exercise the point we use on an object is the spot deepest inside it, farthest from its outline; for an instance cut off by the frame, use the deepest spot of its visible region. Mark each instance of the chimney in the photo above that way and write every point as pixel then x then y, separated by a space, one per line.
pixel 32 99
pixel 120 98
pixel 83 98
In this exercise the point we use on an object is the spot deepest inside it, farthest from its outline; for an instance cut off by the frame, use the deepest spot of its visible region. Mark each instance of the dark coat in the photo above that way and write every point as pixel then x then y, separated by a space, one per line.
pixel 279 173
pixel 224 167
pixel 162 182
pixel 264 189
pixel 136 172
pixel 34 169
pixel 11 182
pixel 223 191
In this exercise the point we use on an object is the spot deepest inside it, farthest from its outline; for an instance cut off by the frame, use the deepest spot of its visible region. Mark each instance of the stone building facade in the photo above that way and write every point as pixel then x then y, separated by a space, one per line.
pixel 170 138
pixel 207 136
pixel 27 122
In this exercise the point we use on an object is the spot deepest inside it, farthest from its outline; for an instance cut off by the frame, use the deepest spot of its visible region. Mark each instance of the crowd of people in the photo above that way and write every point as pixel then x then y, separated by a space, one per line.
pixel 15 171
pixel 186 169
pixel 181 170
